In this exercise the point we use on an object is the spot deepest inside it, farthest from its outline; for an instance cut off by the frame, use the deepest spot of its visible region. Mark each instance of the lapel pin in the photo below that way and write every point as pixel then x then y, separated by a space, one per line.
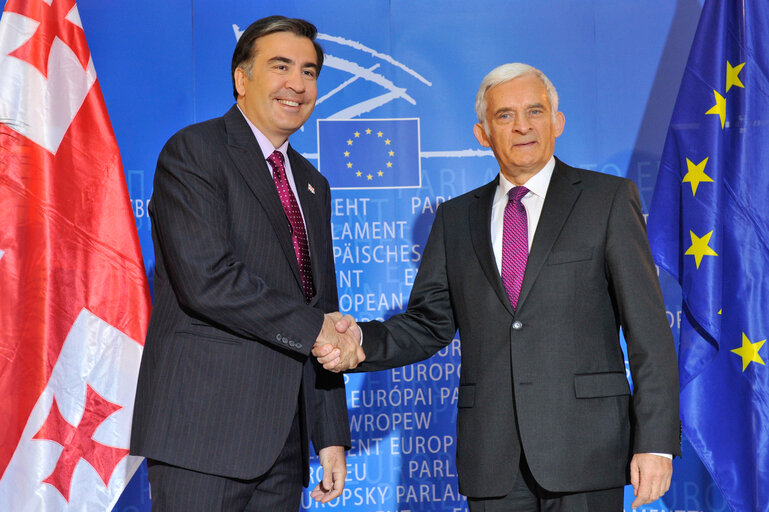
pixel 310 188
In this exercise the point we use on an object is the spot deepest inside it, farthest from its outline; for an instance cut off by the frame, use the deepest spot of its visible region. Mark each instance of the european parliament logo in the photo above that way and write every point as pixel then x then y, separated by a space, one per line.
pixel 369 153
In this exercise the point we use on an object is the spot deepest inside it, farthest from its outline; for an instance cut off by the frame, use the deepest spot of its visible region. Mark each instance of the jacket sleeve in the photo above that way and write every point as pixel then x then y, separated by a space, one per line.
pixel 651 351
pixel 189 212
pixel 331 425
pixel 428 323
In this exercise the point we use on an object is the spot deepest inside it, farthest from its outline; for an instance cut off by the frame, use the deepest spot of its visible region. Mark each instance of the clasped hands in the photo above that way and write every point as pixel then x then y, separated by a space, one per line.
pixel 338 344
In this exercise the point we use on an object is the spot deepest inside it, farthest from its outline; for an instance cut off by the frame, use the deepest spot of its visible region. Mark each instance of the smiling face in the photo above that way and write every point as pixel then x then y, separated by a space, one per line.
pixel 279 92
pixel 521 127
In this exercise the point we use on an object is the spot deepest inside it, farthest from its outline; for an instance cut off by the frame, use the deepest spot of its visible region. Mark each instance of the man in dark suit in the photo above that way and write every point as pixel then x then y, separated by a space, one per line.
pixel 228 396
pixel 538 270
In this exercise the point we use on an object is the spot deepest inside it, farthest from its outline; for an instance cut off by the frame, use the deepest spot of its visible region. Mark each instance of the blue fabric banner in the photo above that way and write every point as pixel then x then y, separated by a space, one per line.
pixel 709 228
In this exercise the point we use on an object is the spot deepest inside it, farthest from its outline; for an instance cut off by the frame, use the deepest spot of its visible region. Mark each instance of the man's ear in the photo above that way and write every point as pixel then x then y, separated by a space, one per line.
pixel 560 122
pixel 240 81
pixel 480 135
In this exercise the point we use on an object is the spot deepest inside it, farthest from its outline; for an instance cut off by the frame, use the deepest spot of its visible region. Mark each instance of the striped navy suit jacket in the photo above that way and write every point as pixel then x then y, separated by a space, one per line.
pixel 227 355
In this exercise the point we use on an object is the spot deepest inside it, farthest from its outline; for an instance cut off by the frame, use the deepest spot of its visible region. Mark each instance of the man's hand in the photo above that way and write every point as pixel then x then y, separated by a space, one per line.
pixel 650 475
pixel 338 345
pixel 334 472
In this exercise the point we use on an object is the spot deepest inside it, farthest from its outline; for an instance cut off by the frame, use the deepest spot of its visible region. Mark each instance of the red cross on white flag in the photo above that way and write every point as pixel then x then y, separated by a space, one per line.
pixel 74 302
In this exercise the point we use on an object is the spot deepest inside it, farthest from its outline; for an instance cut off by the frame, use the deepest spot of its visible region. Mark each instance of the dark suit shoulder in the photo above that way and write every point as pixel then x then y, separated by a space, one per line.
pixel 589 178
pixel 195 152
pixel 208 131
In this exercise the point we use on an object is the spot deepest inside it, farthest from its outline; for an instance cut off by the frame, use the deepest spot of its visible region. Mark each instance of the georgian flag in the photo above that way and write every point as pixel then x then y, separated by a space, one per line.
pixel 74 302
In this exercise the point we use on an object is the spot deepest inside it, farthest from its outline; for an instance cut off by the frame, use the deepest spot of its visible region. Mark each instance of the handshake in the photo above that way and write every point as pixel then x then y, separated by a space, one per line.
pixel 338 344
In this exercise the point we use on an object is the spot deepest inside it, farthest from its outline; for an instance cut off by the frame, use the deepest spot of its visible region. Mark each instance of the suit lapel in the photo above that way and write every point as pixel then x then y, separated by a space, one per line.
pixel 480 232
pixel 247 156
pixel 313 214
pixel 562 193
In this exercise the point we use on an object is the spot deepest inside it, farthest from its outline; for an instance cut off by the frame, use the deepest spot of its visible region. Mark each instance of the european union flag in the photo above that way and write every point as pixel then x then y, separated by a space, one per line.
pixel 369 153
pixel 709 227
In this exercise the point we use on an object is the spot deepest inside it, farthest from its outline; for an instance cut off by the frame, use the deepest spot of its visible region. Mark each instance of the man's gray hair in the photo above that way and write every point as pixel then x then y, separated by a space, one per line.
pixel 505 73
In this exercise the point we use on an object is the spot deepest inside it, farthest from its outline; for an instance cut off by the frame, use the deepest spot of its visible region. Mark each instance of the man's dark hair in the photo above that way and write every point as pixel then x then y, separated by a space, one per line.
pixel 244 52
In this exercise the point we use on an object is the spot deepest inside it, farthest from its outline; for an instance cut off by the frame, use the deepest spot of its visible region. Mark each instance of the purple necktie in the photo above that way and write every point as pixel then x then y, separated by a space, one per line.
pixel 515 244
pixel 298 233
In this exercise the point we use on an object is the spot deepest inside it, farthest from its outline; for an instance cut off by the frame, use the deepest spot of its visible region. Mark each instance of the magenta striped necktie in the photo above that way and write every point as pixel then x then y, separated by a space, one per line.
pixel 515 244
pixel 294 215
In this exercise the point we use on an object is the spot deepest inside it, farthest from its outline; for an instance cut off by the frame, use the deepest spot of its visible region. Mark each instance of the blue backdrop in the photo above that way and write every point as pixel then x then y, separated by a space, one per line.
pixel 408 71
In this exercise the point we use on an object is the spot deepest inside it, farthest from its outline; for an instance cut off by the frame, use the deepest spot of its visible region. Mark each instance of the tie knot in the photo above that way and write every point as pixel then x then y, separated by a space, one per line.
pixel 515 194
pixel 276 159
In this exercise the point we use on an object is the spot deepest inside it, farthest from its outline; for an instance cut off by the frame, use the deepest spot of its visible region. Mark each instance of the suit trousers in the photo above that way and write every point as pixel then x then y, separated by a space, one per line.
pixel 528 496
pixel 175 489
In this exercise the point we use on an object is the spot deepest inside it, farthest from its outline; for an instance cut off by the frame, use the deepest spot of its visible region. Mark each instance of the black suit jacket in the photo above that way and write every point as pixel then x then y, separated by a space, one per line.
pixel 226 362
pixel 550 376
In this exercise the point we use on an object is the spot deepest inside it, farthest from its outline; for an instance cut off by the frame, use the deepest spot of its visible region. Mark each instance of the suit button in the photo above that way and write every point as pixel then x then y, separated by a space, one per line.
pixel 299 346
pixel 517 325
pixel 291 343
pixel 278 337
pixel 284 340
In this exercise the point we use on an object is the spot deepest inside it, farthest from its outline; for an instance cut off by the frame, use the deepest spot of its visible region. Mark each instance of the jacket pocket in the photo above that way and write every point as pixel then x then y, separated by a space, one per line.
pixel 558 258
pixel 209 333
pixel 596 385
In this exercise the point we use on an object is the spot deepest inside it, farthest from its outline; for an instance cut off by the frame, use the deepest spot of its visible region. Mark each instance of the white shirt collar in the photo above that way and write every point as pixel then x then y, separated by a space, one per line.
pixel 537 184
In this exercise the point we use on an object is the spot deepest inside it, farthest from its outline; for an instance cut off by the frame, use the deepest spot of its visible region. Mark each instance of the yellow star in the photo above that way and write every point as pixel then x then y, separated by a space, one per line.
pixel 379 134
pixel 357 134
pixel 699 248
pixel 369 177
pixel 696 174
pixel 749 352
pixel 380 173
pixel 387 142
pixel 733 75
pixel 389 164
pixel 368 131
pixel 349 142
pixel 391 153
pixel 358 174
pixel 349 165
pixel 719 108
pixel 346 153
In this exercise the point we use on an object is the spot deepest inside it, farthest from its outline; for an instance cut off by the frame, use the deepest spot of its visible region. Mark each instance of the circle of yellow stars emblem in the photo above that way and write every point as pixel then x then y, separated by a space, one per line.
pixel 359 170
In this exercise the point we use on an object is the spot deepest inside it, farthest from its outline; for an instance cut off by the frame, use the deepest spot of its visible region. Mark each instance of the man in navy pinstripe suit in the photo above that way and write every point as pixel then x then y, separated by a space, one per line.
pixel 227 397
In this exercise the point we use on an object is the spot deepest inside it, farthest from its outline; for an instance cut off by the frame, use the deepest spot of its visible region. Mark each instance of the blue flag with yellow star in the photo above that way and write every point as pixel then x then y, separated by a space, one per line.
pixel 709 228
pixel 369 153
